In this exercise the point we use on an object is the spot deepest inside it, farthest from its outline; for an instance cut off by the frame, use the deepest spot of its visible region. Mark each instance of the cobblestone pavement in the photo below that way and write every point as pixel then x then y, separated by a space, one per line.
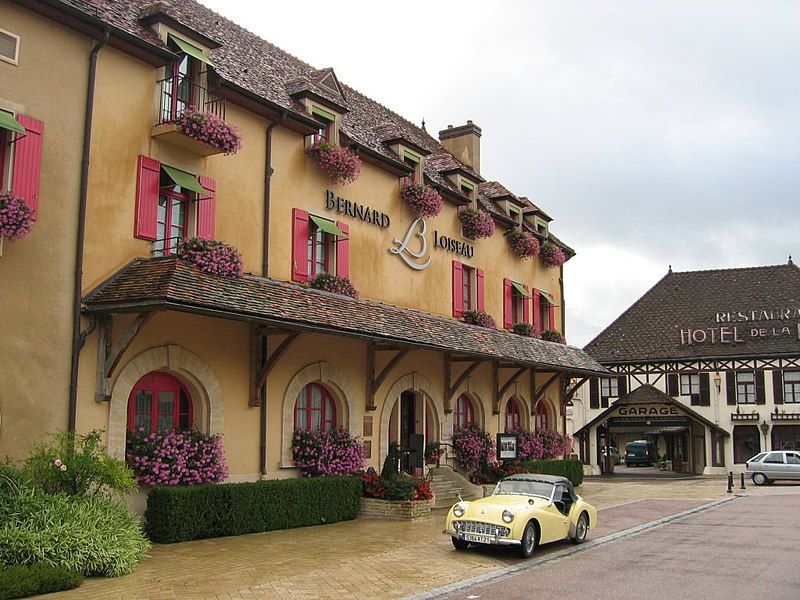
pixel 365 559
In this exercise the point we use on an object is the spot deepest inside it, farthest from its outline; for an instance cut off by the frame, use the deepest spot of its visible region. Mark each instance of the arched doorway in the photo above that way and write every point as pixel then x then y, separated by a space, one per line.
pixel 412 425
pixel 160 400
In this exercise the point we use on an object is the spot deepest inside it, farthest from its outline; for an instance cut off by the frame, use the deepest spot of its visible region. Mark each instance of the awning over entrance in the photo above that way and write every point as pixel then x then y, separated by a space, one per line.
pixel 166 283
pixel 647 404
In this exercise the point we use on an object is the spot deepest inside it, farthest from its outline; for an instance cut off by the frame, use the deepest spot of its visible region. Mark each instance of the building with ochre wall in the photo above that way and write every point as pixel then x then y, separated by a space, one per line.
pixel 705 365
pixel 104 327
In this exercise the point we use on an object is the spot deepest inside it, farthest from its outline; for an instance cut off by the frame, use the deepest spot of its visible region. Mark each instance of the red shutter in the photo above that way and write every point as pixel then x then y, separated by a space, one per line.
pixel 28 162
pixel 147 179
pixel 458 289
pixel 479 288
pixel 508 317
pixel 537 313
pixel 553 317
pixel 299 245
pixel 207 209
pixel 343 251
pixel 526 307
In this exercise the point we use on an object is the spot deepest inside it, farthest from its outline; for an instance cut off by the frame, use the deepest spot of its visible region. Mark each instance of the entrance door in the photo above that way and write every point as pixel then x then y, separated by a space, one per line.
pixel 407 428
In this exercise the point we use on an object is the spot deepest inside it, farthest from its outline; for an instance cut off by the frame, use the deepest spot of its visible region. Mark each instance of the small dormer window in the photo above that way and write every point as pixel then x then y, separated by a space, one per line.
pixel 328 124
pixel 184 81
pixel 515 214
pixel 541 227
pixel 467 189
pixel 415 162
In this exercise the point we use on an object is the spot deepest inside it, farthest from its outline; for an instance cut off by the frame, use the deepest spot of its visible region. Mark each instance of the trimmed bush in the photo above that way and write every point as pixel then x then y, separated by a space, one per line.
pixel 178 514
pixel 21 581
pixel 571 468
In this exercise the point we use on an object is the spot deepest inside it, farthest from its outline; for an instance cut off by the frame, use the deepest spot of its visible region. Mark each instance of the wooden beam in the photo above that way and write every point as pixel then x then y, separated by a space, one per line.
pixel 108 355
pixel 374 381
pixel 268 363
pixel 448 407
pixel 540 391
pixel 511 380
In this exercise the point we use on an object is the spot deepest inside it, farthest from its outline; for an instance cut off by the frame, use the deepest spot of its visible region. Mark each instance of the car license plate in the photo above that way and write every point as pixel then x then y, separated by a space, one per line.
pixel 478 539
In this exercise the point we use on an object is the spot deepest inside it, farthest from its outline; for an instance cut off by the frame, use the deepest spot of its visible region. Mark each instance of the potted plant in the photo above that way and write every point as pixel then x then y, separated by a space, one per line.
pixel 342 164
pixel 527 330
pixel 422 199
pixel 552 255
pixel 476 222
pixel 334 284
pixel 16 217
pixel 480 318
pixel 433 452
pixel 211 256
pixel 524 244
pixel 209 129
pixel 551 335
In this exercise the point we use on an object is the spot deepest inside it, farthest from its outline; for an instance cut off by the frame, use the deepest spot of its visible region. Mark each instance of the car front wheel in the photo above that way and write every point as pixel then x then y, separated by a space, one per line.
pixel 459 544
pixel 530 538
pixel 760 479
pixel 581 529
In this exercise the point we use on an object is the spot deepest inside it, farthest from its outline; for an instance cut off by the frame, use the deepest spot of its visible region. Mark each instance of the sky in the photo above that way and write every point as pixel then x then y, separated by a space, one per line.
pixel 655 133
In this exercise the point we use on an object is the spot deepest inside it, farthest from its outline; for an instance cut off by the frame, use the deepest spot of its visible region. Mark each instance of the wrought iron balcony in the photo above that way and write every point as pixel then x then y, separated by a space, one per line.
pixel 179 93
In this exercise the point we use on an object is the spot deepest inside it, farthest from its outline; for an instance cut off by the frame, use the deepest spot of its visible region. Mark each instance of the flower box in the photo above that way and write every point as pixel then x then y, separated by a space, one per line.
pixel 422 199
pixel 523 244
pixel 476 223
pixel 395 510
pixel 552 255
pixel 342 165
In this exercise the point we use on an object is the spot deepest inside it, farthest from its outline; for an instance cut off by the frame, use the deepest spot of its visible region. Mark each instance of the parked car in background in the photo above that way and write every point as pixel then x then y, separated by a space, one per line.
pixel 614 453
pixel 766 467
pixel 640 452
pixel 524 510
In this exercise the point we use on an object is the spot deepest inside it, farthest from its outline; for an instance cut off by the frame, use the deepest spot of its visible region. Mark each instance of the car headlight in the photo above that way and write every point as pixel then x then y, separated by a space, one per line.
pixel 508 516
pixel 458 510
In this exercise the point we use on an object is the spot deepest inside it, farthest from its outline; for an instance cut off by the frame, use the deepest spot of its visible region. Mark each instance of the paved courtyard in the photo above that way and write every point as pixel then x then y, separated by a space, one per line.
pixel 365 559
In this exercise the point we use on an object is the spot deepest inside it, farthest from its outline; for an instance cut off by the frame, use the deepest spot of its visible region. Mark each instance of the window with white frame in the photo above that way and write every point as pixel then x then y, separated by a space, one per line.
pixel 791 387
pixel 745 388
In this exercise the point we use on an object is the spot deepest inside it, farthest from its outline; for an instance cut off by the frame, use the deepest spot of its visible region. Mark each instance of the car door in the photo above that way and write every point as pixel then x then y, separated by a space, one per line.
pixel 793 465
pixel 556 525
pixel 773 465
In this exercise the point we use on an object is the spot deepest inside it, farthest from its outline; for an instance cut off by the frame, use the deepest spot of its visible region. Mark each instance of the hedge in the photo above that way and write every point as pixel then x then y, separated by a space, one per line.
pixel 182 513
pixel 571 468
pixel 21 581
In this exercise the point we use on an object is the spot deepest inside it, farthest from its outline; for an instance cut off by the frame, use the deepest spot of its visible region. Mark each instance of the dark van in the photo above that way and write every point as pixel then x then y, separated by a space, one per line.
pixel 640 452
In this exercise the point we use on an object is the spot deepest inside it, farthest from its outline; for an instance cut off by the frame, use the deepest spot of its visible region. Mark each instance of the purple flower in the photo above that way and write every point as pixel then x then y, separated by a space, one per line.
pixel 552 255
pixel 212 256
pixel 524 244
pixel 210 129
pixel 16 217
pixel 476 223
pixel 334 284
pixel 342 164
pixel 422 199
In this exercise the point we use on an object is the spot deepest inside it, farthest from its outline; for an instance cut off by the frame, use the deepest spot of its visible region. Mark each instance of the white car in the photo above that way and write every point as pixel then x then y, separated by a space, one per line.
pixel 766 467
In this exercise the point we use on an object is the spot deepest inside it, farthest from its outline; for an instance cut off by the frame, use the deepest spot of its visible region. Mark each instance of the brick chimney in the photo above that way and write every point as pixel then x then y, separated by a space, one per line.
pixel 463 142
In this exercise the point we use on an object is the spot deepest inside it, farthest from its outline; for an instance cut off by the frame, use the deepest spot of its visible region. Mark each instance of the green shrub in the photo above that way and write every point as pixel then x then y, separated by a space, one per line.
pixel 181 513
pixel 399 489
pixel 78 465
pixel 21 581
pixel 571 468
pixel 92 535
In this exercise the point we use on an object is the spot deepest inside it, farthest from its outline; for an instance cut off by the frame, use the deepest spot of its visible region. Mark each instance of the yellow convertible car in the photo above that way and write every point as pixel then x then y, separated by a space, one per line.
pixel 524 510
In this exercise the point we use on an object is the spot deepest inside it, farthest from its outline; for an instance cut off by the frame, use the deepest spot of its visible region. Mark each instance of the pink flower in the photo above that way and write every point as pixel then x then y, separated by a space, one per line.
pixel 16 217
pixel 524 244
pixel 476 223
pixel 57 462
pixel 210 129
pixel 342 164
pixel 212 256
pixel 552 255
pixel 422 199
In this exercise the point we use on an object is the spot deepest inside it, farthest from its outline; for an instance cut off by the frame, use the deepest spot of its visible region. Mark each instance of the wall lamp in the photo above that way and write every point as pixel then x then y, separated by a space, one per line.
pixel 717 381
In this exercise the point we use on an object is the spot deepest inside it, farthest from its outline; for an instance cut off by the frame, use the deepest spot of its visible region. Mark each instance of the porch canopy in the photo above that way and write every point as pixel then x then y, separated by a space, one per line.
pixel 145 286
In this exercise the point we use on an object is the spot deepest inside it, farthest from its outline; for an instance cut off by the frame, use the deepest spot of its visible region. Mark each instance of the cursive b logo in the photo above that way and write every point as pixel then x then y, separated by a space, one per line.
pixel 417 229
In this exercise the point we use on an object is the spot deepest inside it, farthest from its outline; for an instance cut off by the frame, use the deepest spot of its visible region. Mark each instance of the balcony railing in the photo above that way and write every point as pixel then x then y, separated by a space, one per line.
pixel 179 93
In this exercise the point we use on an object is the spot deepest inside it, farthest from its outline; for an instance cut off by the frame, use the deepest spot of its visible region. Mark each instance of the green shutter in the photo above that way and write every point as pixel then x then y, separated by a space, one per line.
pixel 327 226
pixel 191 50
pixel 7 121
pixel 185 180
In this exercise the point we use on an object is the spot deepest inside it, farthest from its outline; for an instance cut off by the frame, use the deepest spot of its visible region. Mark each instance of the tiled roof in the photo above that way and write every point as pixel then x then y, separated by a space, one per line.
pixel 253 64
pixel 171 284
pixel 704 302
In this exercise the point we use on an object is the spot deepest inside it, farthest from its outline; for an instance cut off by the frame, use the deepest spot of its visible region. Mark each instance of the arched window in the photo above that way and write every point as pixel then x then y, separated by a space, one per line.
pixel 541 417
pixel 464 413
pixel 159 401
pixel 512 414
pixel 314 409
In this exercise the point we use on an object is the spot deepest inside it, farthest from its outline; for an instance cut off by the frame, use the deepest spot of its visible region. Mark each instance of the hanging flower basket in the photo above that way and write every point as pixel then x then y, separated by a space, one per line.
pixel 16 217
pixel 523 244
pixel 209 129
pixel 527 330
pixel 551 335
pixel 476 223
pixel 342 165
pixel 552 255
pixel 422 199
pixel 480 318
pixel 211 256
pixel 334 284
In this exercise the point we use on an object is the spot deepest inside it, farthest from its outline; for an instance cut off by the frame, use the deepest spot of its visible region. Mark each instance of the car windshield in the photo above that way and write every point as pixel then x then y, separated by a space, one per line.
pixel 524 488
pixel 757 457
